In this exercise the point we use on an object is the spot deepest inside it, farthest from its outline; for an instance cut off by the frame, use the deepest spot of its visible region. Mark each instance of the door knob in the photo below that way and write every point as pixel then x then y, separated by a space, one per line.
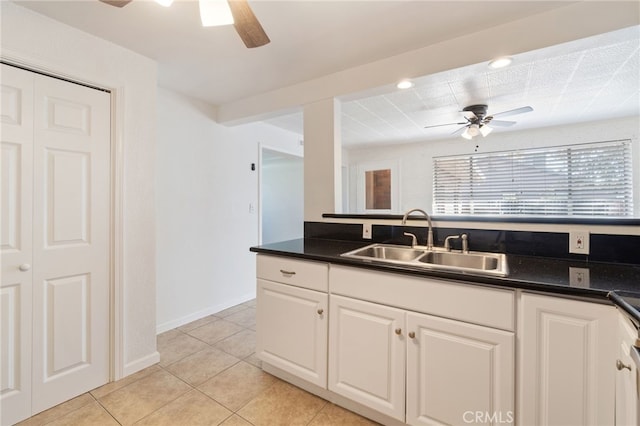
pixel 320 311
pixel 398 331
pixel 24 267
pixel 620 365
pixel 412 335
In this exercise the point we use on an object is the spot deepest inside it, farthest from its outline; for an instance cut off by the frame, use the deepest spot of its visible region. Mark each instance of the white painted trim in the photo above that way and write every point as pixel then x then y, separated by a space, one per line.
pixel 170 325
pixel 141 363
pixel 117 370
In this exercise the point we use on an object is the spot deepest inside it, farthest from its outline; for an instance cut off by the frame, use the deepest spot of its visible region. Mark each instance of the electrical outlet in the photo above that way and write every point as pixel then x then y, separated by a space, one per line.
pixel 579 277
pixel 579 242
pixel 366 231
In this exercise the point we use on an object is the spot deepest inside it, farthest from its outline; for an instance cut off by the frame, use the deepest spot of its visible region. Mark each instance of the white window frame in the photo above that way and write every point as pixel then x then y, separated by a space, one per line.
pixel 362 169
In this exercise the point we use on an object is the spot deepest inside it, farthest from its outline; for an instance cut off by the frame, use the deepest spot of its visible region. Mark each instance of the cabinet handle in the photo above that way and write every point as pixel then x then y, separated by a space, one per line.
pixel 621 366
pixel 24 267
pixel 287 273
pixel 320 311
pixel 412 334
pixel 398 331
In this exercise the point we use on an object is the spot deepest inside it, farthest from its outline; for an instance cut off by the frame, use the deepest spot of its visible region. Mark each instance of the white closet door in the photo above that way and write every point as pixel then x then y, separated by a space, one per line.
pixel 16 128
pixel 70 240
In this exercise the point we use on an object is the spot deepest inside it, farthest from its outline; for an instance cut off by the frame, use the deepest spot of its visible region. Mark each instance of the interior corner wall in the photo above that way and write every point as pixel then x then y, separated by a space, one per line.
pixel 39 42
pixel 204 224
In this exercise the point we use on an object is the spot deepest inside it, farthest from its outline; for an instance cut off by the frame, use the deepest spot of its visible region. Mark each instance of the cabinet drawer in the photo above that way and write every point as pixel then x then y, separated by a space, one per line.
pixel 471 303
pixel 301 273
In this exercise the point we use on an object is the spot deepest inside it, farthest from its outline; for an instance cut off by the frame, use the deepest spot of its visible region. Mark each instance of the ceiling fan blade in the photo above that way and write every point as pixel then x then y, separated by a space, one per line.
pixel 116 3
pixel 440 125
pixel 501 123
pixel 520 110
pixel 247 25
pixel 459 131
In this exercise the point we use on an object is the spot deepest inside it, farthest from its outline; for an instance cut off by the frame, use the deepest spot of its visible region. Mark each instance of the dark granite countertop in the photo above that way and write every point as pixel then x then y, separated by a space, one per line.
pixel 616 283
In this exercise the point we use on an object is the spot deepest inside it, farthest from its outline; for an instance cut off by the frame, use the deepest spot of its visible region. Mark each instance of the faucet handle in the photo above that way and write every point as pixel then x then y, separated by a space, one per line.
pixel 414 239
pixel 465 243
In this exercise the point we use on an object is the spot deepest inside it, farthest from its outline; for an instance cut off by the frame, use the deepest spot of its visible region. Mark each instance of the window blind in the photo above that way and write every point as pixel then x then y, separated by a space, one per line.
pixel 590 180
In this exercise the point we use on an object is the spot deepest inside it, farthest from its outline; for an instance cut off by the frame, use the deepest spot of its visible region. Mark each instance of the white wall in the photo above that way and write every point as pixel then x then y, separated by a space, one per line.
pixel 282 193
pixel 416 159
pixel 41 43
pixel 204 227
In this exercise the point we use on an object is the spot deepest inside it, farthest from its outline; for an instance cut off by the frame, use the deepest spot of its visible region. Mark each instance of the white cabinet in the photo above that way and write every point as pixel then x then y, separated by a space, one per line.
pixel 627 386
pixel 458 373
pixel 567 350
pixel 292 320
pixel 420 368
pixel 367 354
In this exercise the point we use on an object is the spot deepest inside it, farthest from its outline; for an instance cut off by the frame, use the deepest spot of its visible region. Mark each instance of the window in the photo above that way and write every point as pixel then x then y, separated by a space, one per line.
pixel 378 189
pixel 378 186
pixel 578 180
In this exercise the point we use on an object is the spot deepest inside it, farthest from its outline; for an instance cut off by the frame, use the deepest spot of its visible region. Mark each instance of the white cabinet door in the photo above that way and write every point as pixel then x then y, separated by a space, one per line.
pixel 367 354
pixel 15 244
pixel 292 330
pixel 566 352
pixel 627 386
pixel 458 373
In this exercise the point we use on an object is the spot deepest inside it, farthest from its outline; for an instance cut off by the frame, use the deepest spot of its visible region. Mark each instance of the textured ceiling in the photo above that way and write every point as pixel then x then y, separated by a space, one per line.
pixel 591 79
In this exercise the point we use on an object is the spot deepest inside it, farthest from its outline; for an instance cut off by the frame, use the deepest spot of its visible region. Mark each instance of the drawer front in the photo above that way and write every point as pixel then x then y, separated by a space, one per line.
pixel 301 273
pixel 471 303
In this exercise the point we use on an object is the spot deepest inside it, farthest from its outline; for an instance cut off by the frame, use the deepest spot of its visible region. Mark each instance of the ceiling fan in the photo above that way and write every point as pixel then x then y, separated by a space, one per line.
pixel 477 121
pixel 245 22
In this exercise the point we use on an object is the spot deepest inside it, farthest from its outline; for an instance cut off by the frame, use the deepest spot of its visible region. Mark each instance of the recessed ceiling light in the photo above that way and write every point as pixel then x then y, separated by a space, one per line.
pixel 501 62
pixel 404 84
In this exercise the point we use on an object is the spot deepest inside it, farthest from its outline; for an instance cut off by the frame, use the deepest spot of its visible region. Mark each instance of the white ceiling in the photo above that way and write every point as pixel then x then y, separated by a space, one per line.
pixel 597 78
pixel 310 39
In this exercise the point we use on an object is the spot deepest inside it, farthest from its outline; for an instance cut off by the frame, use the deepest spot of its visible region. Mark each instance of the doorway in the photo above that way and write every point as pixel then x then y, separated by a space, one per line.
pixel 282 196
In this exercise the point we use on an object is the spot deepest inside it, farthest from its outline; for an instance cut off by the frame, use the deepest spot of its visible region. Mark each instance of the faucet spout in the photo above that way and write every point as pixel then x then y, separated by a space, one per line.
pixel 429 233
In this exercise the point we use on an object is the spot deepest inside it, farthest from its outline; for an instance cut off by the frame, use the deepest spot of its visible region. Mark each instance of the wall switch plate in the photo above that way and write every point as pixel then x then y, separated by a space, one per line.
pixel 579 277
pixel 579 241
pixel 366 231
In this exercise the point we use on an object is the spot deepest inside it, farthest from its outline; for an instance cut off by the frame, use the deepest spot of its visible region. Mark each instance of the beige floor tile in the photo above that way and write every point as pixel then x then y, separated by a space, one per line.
pixel 110 387
pixel 332 415
pixel 90 415
pixel 253 360
pixel 250 303
pixel 201 366
pixel 245 318
pixel 237 385
pixel 137 400
pixel 165 337
pixel 215 331
pixel 282 404
pixel 58 411
pixel 192 409
pixel 235 420
pixel 198 323
pixel 241 344
pixel 229 311
pixel 178 348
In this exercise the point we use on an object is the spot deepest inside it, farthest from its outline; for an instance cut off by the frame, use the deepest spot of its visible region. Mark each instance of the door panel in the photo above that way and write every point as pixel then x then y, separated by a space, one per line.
pixel 16 121
pixel 445 354
pixel 367 360
pixel 71 241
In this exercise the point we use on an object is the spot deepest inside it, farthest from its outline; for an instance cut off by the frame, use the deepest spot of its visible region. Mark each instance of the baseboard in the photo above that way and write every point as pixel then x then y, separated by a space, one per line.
pixel 141 363
pixel 170 325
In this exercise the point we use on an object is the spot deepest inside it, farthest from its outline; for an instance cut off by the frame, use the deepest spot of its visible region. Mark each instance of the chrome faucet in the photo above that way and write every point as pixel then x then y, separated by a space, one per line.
pixel 430 232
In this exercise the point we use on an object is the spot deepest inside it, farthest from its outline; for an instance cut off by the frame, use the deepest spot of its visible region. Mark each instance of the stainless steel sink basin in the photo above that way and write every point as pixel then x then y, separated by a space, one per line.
pixel 387 252
pixel 481 263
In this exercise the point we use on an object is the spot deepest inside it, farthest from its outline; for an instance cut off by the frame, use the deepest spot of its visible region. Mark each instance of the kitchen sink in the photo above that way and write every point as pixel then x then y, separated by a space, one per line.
pixel 482 263
pixel 387 252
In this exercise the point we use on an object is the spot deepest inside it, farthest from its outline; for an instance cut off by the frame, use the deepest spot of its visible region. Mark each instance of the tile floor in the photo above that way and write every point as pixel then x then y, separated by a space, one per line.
pixel 207 375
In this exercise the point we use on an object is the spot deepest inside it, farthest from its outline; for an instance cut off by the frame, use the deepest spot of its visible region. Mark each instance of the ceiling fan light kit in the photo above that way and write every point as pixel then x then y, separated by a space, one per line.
pixel 478 121
pixel 223 12
pixel 215 13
